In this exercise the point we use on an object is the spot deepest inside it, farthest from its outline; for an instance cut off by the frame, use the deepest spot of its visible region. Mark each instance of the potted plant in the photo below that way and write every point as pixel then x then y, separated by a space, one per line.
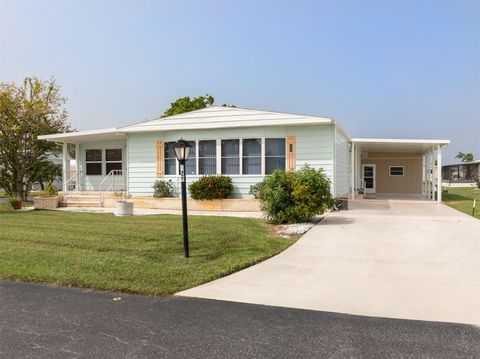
pixel 49 201
pixel 124 207
pixel 15 203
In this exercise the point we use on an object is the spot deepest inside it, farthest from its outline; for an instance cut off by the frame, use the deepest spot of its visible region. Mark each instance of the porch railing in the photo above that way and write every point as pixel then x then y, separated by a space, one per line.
pixel 72 181
pixel 113 183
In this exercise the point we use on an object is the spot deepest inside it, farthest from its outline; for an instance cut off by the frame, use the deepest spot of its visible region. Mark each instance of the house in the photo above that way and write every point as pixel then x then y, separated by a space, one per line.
pixel 461 174
pixel 246 145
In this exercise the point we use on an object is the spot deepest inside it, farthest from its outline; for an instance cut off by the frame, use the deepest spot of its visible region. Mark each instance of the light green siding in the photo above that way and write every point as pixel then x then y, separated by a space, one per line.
pixel 92 183
pixel 314 146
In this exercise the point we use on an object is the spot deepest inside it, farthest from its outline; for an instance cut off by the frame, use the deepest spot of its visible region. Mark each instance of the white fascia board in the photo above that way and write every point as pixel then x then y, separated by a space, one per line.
pixel 395 140
pixel 72 136
pixel 207 126
pixel 342 130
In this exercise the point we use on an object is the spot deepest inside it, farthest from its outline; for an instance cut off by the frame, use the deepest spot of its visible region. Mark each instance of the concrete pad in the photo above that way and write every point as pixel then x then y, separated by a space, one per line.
pixel 403 259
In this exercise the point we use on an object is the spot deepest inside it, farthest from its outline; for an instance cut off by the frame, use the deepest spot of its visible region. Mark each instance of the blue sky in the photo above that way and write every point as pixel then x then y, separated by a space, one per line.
pixel 382 68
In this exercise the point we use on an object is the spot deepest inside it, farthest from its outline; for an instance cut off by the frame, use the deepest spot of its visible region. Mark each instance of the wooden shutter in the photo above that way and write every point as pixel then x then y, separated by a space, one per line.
pixel 291 153
pixel 160 158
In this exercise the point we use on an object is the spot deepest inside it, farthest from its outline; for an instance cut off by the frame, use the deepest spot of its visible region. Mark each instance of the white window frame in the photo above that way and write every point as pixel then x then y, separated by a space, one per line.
pixel 106 162
pixel 390 171
pixel 219 156
pixel 101 161
pixel 265 156
pixel 262 151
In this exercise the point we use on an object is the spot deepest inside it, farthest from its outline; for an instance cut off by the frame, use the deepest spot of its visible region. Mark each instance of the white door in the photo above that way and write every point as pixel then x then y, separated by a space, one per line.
pixel 369 178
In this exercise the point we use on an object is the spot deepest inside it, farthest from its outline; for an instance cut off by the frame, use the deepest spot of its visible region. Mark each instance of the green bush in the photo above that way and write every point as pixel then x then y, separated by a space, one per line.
pixel 211 187
pixel 163 189
pixel 256 190
pixel 293 197
pixel 51 190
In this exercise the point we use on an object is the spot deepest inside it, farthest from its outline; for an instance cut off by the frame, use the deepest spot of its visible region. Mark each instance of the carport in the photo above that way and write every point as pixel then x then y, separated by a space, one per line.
pixel 396 167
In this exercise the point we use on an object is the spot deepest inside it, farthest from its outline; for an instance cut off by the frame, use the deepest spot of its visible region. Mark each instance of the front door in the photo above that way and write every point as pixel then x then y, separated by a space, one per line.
pixel 368 172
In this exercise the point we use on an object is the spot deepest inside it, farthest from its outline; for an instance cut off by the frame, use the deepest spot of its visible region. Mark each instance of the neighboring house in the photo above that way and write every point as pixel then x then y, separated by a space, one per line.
pixel 59 180
pixel 461 174
pixel 247 145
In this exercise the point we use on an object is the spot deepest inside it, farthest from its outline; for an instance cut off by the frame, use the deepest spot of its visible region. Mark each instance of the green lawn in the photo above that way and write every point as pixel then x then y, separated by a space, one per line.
pixel 140 254
pixel 461 198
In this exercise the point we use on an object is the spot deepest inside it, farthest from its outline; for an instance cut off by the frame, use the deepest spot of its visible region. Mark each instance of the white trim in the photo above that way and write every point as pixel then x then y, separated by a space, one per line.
pixel 352 173
pixel 439 174
pixel 334 167
pixel 390 171
pixel 395 140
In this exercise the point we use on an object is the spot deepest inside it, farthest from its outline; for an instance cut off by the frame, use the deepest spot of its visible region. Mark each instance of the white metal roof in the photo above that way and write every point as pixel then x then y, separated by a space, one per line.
pixel 223 117
pixel 398 144
pixel 84 136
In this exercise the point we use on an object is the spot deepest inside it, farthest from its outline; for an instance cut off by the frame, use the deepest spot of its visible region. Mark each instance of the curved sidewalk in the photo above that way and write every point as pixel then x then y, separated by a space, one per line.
pixel 386 258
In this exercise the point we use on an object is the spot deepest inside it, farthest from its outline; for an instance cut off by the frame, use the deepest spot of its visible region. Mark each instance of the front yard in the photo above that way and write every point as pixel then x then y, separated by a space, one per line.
pixel 461 198
pixel 136 254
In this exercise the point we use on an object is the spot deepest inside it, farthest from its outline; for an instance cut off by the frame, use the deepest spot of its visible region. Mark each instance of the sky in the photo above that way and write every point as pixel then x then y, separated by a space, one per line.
pixel 382 68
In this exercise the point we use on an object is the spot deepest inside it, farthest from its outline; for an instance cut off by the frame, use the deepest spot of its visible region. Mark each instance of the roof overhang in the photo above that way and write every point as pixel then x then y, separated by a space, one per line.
pixel 398 145
pixel 106 134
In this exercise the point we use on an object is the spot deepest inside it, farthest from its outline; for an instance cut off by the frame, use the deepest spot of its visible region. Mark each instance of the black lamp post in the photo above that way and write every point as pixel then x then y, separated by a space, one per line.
pixel 182 149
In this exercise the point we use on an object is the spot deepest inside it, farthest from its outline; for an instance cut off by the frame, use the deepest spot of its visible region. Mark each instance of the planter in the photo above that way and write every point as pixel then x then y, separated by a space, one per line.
pixel 46 202
pixel 124 208
pixel 16 205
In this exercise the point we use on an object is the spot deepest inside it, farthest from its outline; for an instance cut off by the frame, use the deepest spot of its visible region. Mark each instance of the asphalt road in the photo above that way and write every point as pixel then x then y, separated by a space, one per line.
pixel 48 322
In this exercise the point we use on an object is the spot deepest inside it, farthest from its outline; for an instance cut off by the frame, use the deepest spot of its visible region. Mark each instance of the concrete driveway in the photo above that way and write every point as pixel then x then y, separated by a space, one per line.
pixel 406 259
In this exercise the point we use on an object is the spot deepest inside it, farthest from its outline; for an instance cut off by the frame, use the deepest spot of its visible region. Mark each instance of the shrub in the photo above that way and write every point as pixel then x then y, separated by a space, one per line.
pixel 15 203
pixel 293 197
pixel 256 190
pixel 211 187
pixel 51 190
pixel 163 189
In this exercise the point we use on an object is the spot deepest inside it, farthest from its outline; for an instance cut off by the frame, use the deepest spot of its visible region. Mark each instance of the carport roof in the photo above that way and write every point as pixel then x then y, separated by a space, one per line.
pixel 398 145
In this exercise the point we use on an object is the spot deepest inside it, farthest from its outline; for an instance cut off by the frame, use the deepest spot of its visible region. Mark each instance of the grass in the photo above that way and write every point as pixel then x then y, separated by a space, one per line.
pixel 461 198
pixel 30 194
pixel 141 254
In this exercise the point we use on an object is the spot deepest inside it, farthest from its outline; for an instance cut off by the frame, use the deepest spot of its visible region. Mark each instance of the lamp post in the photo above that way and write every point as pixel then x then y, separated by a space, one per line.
pixel 182 149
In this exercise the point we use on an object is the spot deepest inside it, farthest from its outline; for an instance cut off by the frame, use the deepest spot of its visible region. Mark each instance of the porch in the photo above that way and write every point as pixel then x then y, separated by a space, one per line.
pixel 389 168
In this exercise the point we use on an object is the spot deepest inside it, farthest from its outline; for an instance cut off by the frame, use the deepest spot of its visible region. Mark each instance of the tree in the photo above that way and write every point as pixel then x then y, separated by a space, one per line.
pixel 464 157
pixel 186 104
pixel 27 111
pixel 43 171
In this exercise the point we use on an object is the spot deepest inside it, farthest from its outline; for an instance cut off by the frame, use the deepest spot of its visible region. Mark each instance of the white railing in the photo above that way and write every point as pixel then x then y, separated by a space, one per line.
pixel 112 183
pixel 72 180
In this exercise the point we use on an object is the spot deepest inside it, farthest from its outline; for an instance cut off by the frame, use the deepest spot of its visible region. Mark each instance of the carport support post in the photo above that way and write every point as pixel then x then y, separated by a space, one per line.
pixel 66 167
pixel 423 176
pixel 352 173
pixel 439 173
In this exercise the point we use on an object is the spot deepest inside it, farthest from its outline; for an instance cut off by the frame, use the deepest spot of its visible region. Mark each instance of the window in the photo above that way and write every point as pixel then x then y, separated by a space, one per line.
pixel 113 160
pixel 93 160
pixel 230 157
pixel 396 170
pixel 191 164
pixel 207 157
pixel 170 159
pixel 274 154
pixel 252 156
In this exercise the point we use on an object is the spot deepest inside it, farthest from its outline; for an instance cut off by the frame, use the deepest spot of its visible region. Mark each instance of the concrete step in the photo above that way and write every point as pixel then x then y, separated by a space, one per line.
pixel 81 204
pixel 82 198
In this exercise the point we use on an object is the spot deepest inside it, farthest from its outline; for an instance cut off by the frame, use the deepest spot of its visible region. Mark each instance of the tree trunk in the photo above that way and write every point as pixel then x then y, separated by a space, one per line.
pixel 19 185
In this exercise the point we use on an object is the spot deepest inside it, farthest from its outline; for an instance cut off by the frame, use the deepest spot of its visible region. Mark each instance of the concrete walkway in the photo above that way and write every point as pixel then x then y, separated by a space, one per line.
pixel 387 258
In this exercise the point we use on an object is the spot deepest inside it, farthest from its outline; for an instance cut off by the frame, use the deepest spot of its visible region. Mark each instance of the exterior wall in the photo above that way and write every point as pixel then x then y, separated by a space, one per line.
pixel 342 164
pixel 92 183
pixel 410 183
pixel 314 146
